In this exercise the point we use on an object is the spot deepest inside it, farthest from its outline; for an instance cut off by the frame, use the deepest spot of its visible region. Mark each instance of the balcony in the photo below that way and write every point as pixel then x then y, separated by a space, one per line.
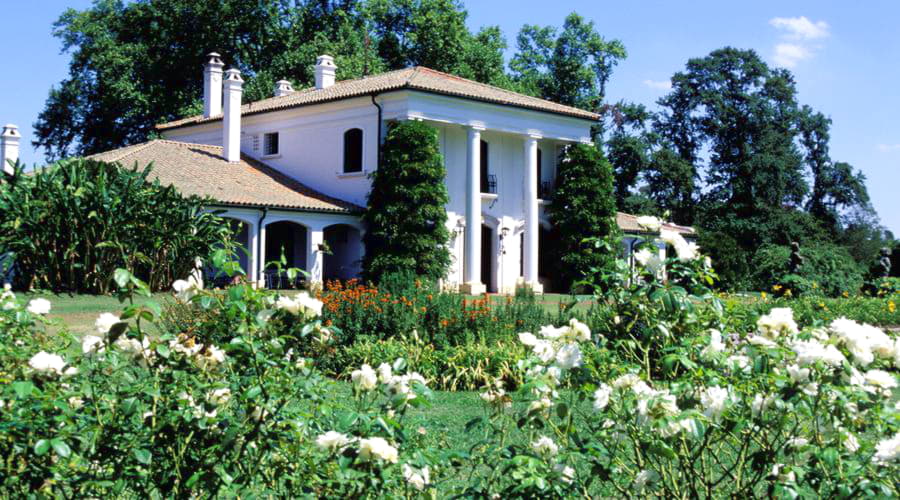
pixel 489 184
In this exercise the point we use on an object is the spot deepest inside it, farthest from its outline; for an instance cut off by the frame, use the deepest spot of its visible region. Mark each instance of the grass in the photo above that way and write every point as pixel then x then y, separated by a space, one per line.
pixel 78 312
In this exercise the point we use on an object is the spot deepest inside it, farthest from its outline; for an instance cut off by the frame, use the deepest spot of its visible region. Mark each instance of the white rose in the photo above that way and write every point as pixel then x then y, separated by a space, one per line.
pixel 185 290
pixel 569 356
pixel 887 450
pixel 90 343
pixel 105 322
pixel 714 400
pixel 365 378
pixel 44 362
pixel 332 441
pixel 219 397
pixel 545 446
pixel 384 373
pixel 377 448
pixel 38 306
pixel 417 478
pixel 881 379
pixel 601 397
pixel 649 223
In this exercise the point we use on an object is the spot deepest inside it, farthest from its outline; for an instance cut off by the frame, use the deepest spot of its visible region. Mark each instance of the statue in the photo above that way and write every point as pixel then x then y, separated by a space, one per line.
pixel 884 263
pixel 796 258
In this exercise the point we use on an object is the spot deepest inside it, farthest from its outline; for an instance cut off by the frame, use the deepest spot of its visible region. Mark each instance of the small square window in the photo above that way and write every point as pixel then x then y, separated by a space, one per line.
pixel 270 144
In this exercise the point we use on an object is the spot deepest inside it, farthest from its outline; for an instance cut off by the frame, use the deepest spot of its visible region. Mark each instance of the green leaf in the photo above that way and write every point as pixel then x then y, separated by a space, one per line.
pixel 122 277
pixel 41 447
pixel 142 456
pixel 60 447
pixel 163 350
pixel 23 388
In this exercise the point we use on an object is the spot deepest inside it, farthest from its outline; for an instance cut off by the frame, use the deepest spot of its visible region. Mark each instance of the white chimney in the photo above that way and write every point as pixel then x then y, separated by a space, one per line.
pixel 9 147
pixel 212 85
pixel 283 87
pixel 231 121
pixel 325 69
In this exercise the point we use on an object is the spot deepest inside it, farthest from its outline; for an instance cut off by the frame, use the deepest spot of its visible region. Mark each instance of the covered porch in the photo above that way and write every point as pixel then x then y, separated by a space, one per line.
pixel 323 246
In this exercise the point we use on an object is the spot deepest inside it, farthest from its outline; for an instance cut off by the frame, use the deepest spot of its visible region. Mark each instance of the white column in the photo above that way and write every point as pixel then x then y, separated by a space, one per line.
pixel 253 250
pixel 315 258
pixel 261 258
pixel 472 279
pixel 532 224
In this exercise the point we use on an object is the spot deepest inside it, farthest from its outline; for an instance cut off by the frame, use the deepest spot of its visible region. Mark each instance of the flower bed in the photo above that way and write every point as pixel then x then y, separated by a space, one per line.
pixel 664 393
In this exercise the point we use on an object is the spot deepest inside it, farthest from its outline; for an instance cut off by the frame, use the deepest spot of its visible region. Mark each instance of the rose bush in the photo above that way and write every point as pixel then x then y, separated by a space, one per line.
pixel 665 393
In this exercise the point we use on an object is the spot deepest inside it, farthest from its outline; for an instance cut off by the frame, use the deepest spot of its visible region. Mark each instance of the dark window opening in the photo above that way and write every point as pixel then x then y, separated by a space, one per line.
pixel 270 144
pixel 353 147
pixel 486 177
pixel 539 181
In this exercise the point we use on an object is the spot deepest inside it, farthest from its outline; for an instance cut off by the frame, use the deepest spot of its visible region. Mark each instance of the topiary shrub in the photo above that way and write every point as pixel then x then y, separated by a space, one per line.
pixel 584 206
pixel 406 215
pixel 71 224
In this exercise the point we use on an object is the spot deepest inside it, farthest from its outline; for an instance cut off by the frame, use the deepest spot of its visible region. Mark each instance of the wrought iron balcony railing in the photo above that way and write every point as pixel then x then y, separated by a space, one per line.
pixel 489 184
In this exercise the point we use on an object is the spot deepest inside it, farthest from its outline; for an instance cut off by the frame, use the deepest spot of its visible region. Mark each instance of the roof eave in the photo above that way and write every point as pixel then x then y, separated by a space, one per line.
pixel 584 115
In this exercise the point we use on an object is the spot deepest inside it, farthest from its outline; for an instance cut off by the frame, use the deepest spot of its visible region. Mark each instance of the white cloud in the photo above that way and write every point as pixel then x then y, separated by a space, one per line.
pixel 659 85
pixel 789 54
pixel 801 28
pixel 887 148
pixel 798 35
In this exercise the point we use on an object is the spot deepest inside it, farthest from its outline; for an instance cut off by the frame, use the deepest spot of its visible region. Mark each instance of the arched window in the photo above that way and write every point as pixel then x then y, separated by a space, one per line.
pixel 353 147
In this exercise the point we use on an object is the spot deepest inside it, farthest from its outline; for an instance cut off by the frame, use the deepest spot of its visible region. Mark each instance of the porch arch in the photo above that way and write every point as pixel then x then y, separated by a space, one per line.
pixel 343 258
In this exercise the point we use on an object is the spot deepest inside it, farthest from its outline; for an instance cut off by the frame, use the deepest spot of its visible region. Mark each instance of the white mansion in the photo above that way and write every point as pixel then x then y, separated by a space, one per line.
pixel 293 169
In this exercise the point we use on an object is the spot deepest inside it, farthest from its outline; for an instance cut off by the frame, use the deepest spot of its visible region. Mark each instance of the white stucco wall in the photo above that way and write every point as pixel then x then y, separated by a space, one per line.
pixel 311 151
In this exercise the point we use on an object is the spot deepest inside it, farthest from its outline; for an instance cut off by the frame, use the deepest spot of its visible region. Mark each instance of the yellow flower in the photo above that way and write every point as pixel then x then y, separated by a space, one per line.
pixel 776 287
pixel 891 306
pixel 787 293
pixel 846 294
pixel 763 295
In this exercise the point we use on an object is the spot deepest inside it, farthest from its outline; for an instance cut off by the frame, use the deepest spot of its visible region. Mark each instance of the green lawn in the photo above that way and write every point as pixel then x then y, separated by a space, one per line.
pixel 79 312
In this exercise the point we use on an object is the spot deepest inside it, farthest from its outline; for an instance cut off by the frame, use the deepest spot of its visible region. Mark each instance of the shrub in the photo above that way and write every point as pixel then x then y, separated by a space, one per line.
pixel 817 310
pixel 406 216
pixel 827 270
pixel 584 207
pixel 71 224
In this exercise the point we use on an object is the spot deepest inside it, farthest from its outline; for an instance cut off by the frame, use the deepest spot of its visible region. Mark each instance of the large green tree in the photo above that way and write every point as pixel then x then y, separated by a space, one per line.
pixel 584 206
pixel 406 216
pixel 570 67
pixel 135 64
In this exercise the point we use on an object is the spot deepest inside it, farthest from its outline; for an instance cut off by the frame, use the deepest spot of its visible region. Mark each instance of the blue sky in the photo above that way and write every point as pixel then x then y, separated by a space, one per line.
pixel 844 57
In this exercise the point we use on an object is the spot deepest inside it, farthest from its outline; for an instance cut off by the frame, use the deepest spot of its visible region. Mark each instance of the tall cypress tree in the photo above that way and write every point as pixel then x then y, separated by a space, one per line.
pixel 406 215
pixel 584 206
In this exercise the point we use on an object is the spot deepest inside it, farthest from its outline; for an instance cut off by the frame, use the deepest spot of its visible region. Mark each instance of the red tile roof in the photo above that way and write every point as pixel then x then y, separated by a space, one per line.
pixel 417 78
pixel 200 169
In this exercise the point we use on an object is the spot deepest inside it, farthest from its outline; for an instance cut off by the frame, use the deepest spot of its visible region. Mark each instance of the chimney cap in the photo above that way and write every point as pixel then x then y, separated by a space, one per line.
pixel 283 88
pixel 10 130
pixel 325 60
pixel 214 59
pixel 233 75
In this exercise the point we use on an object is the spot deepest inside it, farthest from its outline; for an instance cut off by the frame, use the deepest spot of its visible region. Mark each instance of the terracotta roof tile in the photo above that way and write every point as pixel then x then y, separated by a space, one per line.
pixel 417 78
pixel 628 224
pixel 199 169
